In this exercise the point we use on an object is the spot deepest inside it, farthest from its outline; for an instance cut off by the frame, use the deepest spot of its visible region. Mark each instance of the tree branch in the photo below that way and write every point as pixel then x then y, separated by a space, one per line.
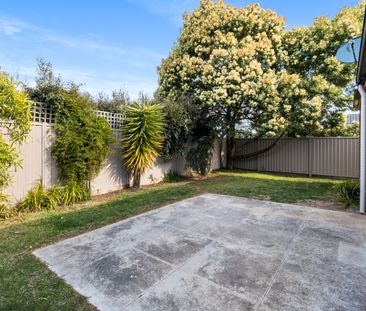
pixel 252 140
pixel 256 153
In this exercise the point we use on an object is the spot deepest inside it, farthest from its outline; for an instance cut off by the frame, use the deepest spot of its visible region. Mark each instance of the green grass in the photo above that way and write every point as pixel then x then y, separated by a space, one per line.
pixel 26 284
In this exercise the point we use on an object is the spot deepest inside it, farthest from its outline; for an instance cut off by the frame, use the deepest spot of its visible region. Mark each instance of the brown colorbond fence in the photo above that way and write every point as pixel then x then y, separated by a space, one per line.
pixel 319 156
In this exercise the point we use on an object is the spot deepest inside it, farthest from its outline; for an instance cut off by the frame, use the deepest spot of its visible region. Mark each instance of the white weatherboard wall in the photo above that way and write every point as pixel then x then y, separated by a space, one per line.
pixel 38 165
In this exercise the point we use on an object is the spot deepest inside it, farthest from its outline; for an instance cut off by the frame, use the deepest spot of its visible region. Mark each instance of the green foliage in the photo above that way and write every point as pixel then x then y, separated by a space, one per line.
pixel 15 126
pixel 312 55
pixel 82 139
pixel 202 139
pixel 114 103
pixel 349 192
pixel 352 129
pixel 173 177
pixel 49 87
pixel 231 61
pixel 40 198
pixel 249 70
pixel 37 199
pixel 178 123
pixel 199 156
pixel 142 137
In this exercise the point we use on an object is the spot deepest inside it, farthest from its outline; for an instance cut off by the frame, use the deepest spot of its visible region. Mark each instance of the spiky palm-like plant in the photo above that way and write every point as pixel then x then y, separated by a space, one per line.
pixel 143 136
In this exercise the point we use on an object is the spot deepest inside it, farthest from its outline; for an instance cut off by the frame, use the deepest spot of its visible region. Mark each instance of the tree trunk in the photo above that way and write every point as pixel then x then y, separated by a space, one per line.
pixel 136 179
pixel 230 146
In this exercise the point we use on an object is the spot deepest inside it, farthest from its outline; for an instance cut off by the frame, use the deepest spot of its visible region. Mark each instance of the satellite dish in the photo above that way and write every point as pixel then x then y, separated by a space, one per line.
pixel 349 52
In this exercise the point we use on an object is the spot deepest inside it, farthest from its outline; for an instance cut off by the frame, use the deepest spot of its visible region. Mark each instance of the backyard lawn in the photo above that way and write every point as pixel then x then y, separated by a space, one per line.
pixel 26 284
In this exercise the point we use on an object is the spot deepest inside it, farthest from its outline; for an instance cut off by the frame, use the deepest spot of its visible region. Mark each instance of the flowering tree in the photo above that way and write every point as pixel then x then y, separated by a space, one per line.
pixel 312 55
pixel 233 61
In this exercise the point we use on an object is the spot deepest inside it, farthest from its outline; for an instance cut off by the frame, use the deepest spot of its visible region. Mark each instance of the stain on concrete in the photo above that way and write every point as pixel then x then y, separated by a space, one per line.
pixel 217 252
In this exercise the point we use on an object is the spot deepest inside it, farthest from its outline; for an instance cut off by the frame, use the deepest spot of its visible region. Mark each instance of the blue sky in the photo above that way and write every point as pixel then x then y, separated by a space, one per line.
pixel 112 44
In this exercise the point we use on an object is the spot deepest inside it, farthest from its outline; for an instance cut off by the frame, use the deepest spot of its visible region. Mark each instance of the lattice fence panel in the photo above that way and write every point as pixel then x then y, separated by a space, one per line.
pixel 114 119
pixel 43 114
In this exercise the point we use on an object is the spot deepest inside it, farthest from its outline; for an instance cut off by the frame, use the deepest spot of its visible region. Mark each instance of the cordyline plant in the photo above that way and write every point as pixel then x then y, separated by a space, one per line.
pixel 143 137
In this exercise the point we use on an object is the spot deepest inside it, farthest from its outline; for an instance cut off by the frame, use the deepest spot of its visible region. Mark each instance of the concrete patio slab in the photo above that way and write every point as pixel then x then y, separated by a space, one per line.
pixel 215 252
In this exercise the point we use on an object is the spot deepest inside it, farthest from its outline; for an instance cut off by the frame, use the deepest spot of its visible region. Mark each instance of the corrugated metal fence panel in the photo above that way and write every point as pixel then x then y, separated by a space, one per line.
pixel 335 157
pixel 248 164
pixel 288 156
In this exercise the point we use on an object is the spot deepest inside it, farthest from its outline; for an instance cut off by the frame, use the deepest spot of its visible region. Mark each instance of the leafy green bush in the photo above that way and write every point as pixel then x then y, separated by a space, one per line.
pixel 83 140
pixel 15 124
pixel 40 198
pixel 178 124
pixel 37 199
pixel 74 192
pixel 349 192
pixel 202 139
pixel 173 177
pixel 199 156
pixel 142 137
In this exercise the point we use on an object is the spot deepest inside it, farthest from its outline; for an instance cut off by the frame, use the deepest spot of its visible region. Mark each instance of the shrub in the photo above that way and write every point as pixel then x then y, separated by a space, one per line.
pixel 349 192
pixel 37 199
pixel 199 156
pixel 173 177
pixel 178 124
pixel 40 198
pixel 74 192
pixel 82 139
pixel 142 137
pixel 15 125
pixel 202 139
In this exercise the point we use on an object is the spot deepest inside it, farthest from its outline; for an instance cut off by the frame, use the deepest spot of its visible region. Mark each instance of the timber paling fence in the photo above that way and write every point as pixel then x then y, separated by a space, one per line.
pixel 313 156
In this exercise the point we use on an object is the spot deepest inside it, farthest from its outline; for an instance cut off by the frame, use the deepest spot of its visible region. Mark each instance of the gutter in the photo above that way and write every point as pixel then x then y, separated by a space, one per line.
pixel 361 89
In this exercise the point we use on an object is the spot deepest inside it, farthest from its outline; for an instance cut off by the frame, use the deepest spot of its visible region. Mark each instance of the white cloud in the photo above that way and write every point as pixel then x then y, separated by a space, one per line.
pixel 135 56
pixel 8 29
pixel 141 59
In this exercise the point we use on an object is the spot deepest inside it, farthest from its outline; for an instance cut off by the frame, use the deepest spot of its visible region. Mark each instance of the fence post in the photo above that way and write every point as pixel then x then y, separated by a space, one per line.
pixel 310 162
pixel 256 149
pixel 43 151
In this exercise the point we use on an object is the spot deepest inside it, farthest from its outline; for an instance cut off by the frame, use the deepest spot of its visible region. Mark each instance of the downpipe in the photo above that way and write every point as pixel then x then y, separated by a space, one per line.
pixel 361 89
